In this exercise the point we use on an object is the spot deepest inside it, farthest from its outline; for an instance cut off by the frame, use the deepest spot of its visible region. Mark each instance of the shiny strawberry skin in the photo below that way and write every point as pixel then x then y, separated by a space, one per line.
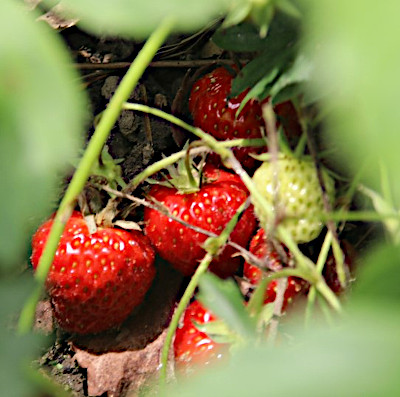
pixel 210 208
pixel 194 348
pixel 262 249
pixel 96 279
pixel 214 111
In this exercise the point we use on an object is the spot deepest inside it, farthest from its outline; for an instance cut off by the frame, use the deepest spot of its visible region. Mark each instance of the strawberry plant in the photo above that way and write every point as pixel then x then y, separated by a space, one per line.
pixel 290 79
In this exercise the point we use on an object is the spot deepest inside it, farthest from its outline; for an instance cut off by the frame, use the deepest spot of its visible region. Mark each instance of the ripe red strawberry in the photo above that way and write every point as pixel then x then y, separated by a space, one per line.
pixel 209 208
pixel 193 347
pixel 96 279
pixel 262 248
pixel 214 112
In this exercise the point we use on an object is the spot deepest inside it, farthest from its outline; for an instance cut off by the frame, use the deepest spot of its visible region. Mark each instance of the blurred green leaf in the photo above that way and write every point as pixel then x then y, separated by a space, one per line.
pixel 258 90
pixel 244 38
pixel 358 64
pixel 256 302
pixel 378 278
pixel 262 14
pixel 14 291
pixel 300 72
pixel 279 49
pixel 41 118
pixel 359 358
pixel 224 299
pixel 218 331
pixel 17 352
pixel 382 206
pixel 289 7
pixel 137 18
pixel 237 14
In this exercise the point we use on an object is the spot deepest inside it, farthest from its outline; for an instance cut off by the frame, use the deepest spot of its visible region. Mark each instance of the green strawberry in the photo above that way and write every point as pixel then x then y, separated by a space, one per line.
pixel 292 189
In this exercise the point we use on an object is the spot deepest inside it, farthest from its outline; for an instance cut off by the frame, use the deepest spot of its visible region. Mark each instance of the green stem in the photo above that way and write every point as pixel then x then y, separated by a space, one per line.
pixel 362 216
pixel 307 265
pixel 217 146
pixel 212 246
pixel 312 294
pixel 173 158
pixel 201 269
pixel 206 138
pixel 89 158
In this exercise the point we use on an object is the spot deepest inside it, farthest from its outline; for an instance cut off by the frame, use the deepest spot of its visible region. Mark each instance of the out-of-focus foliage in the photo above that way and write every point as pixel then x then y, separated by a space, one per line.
pixel 17 352
pixel 41 120
pixel 358 358
pixel 357 64
pixel 42 113
pixel 137 18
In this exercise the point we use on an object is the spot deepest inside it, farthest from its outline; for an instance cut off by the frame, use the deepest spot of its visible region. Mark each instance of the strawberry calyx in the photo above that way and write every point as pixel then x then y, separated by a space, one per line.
pixel 108 169
pixel 186 176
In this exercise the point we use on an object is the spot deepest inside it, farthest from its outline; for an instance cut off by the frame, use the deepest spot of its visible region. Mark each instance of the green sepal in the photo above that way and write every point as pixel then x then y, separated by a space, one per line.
pixel 256 301
pixel 185 176
pixel 218 331
pixel 108 168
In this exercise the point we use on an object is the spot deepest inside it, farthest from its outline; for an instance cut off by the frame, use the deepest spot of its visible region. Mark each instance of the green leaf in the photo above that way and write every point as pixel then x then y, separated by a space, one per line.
pixel 288 7
pixel 224 299
pixel 359 66
pixel 218 331
pixel 241 38
pixel 258 90
pixel 378 278
pixel 359 358
pixel 383 207
pixel 262 14
pixel 300 72
pixel 279 49
pixel 17 352
pixel 136 18
pixel 256 301
pixel 237 14
pixel 42 111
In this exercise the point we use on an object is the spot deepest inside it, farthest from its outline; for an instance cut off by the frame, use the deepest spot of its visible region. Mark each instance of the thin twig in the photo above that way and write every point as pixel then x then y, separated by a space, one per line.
pixel 278 304
pixel 156 205
pixel 195 63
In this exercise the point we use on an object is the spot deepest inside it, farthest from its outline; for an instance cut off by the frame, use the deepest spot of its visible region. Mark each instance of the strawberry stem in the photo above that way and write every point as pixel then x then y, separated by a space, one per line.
pixel 305 264
pixel 217 146
pixel 201 269
pixel 89 158
pixel 206 138
pixel 312 294
pixel 213 244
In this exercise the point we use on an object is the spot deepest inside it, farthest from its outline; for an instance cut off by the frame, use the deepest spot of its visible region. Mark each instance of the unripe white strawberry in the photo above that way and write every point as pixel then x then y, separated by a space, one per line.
pixel 291 187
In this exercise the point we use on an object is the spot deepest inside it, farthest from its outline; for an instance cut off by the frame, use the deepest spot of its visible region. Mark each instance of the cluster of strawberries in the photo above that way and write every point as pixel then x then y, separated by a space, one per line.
pixel 96 279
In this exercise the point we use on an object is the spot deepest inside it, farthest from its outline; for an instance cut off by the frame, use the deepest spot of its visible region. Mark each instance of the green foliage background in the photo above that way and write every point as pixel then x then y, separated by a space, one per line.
pixel 349 57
